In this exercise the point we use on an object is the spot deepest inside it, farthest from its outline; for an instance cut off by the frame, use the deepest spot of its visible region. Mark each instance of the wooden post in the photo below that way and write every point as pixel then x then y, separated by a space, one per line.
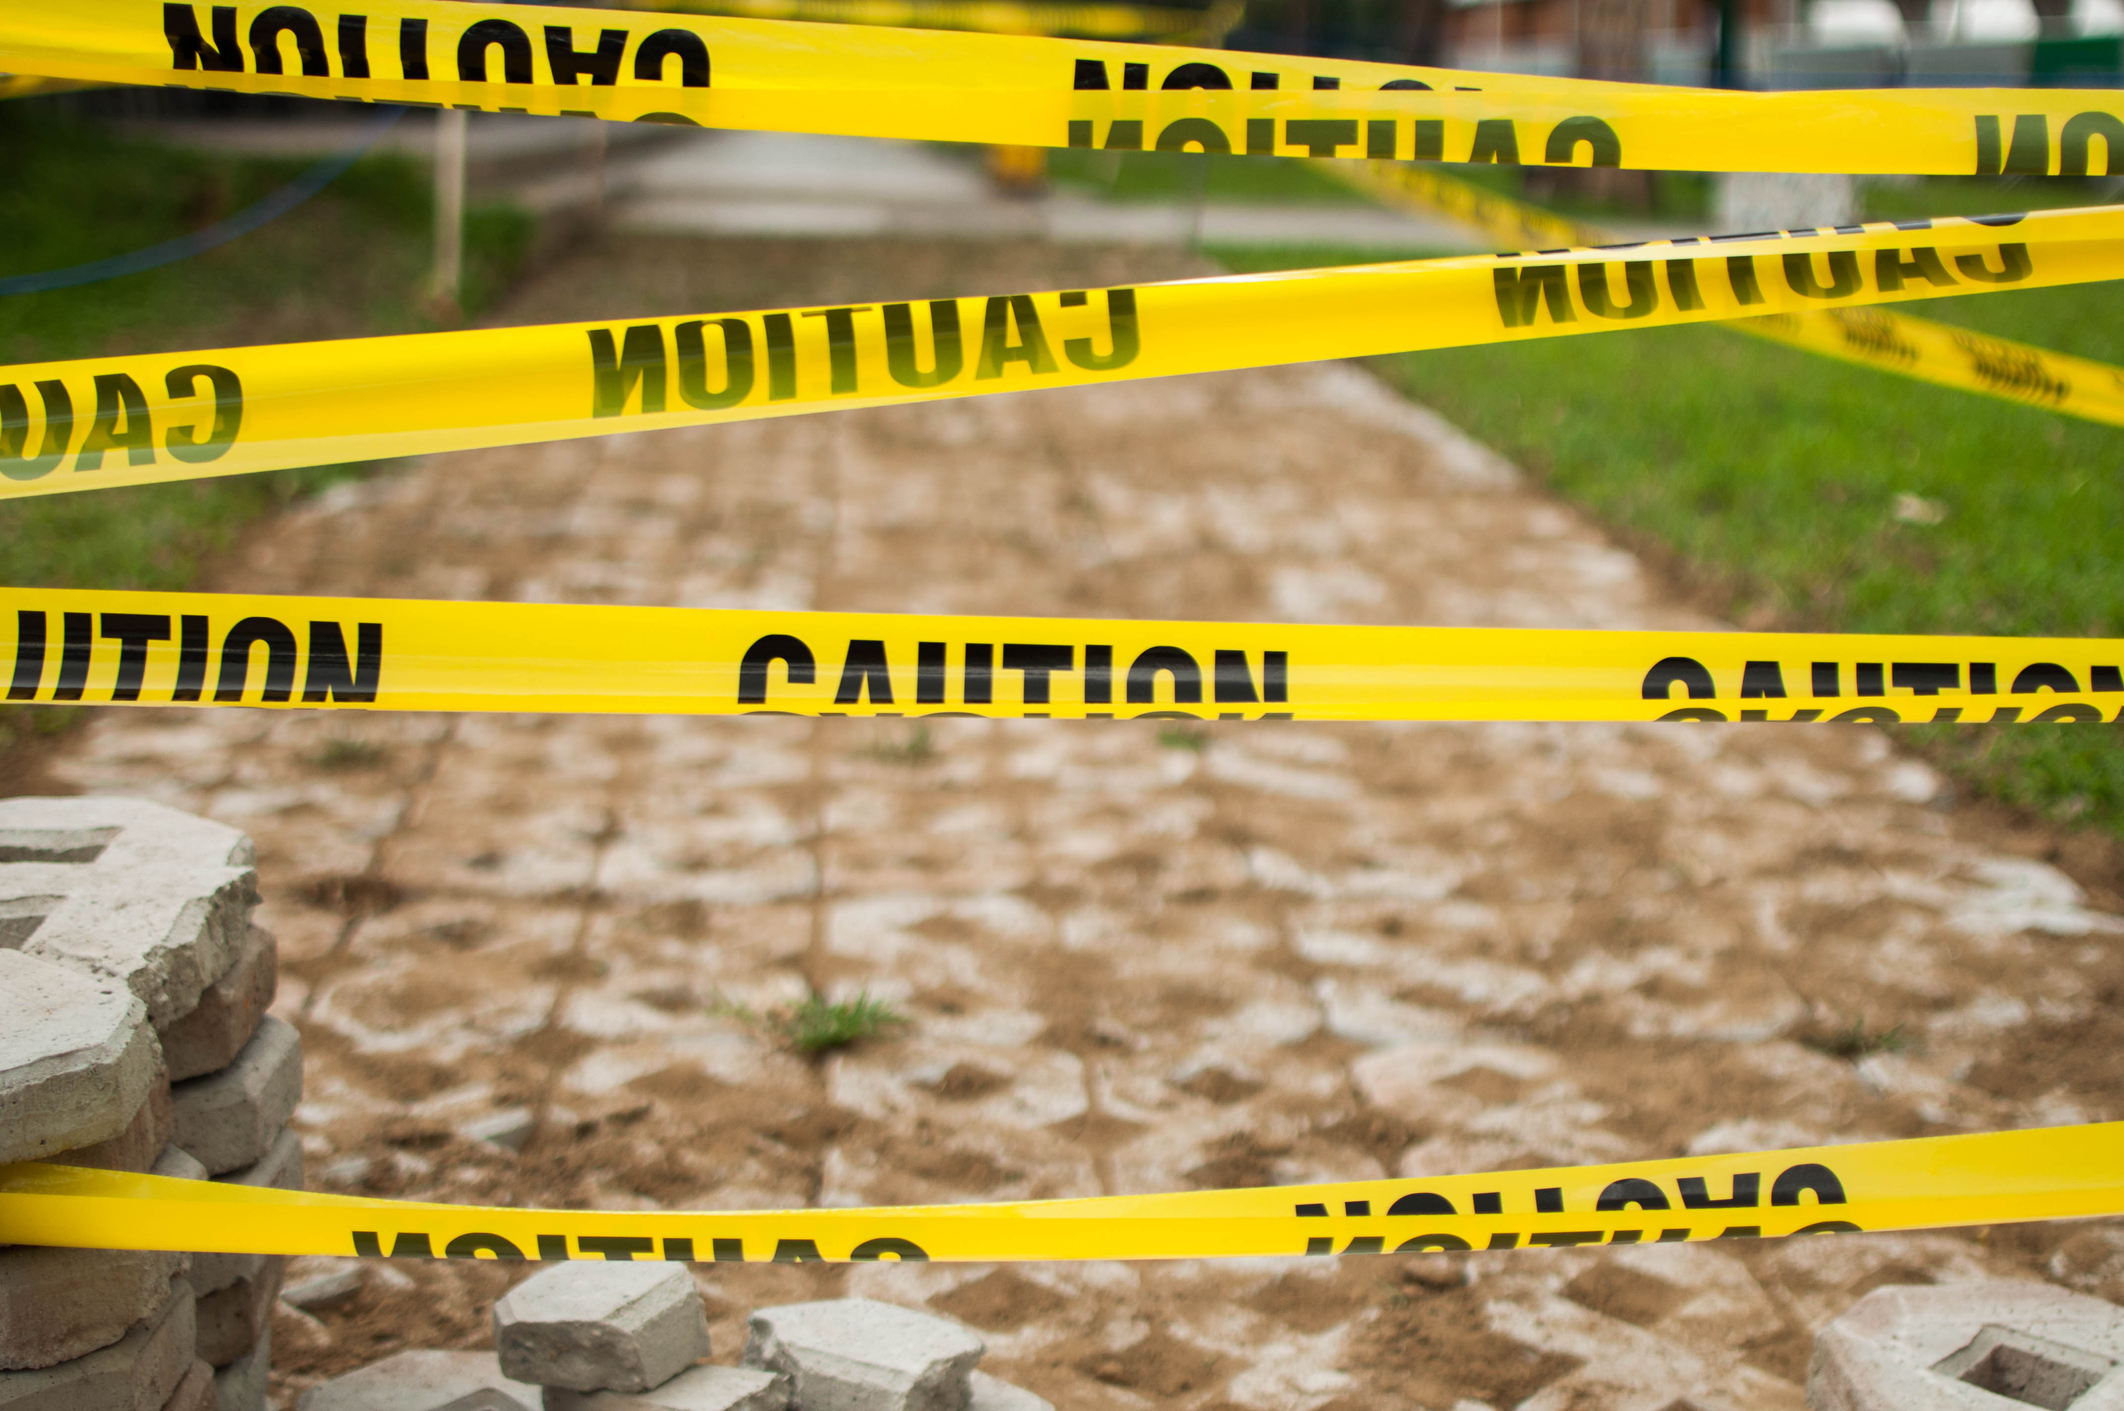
pixel 449 208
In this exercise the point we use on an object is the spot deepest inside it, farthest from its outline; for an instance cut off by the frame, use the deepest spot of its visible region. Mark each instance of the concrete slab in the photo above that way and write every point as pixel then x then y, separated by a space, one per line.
pixel 140 1145
pixel 599 1326
pixel 128 890
pixel 1970 1347
pixel 424 1381
pixel 857 1354
pixel 991 1394
pixel 696 1389
pixel 77 1058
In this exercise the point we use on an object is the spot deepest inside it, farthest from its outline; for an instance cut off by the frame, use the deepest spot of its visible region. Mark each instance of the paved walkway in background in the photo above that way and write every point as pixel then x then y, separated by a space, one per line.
pixel 1135 957
pixel 658 181
pixel 767 183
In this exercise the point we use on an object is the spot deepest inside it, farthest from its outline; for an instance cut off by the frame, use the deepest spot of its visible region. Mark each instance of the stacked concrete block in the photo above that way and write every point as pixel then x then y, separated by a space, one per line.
pixel 1966 1347
pixel 127 948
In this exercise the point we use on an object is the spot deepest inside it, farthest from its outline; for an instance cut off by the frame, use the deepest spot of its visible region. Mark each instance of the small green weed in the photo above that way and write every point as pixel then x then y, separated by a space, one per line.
pixel 915 749
pixel 343 755
pixel 1858 1041
pixel 1179 737
pixel 818 1025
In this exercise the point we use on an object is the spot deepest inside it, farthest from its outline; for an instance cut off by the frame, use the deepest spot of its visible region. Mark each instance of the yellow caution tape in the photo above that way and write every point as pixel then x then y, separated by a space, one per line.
pixel 1088 20
pixel 105 422
pixel 384 654
pixel 1876 338
pixel 1039 92
pixel 2050 1173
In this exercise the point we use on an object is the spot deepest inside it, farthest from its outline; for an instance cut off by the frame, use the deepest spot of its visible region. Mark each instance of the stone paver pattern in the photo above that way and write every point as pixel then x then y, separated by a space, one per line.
pixel 1134 956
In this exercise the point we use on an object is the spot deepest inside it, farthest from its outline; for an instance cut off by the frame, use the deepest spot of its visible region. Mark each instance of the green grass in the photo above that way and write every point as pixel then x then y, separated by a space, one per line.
pixel 1769 479
pixel 817 1025
pixel 916 748
pixel 342 754
pixel 1182 176
pixel 348 263
pixel 1857 1042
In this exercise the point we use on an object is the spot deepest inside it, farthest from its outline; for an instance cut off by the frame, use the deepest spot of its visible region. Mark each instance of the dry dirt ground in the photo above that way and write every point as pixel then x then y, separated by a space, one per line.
pixel 1136 957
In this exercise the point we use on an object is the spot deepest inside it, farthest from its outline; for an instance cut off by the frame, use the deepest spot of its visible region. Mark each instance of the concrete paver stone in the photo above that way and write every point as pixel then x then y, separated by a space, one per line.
pixel 1974 1346
pixel 139 1372
pixel 424 1381
pixel 77 1059
pixel 233 1319
pixel 993 1394
pixel 128 890
pixel 857 1354
pixel 324 1289
pixel 210 1037
pixel 231 1118
pixel 241 1386
pixel 281 1169
pixel 179 1165
pixel 142 1142
pixel 195 1392
pixel 695 1389
pixel 59 1304
pixel 601 1326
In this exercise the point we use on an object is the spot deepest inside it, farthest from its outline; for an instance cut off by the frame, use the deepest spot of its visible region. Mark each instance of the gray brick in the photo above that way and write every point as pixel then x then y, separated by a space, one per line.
pixel 856 1354
pixel 1968 1347
pixel 178 1164
pixel 326 1287
pixel 424 1381
pixel 233 1319
pixel 140 1145
pixel 598 1326
pixel 59 1304
pixel 139 1372
pixel 195 1392
pixel 280 1168
pixel 696 1389
pixel 241 1386
pixel 229 1119
pixel 77 1059
pixel 209 1038
pixel 126 890
pixel 989 1394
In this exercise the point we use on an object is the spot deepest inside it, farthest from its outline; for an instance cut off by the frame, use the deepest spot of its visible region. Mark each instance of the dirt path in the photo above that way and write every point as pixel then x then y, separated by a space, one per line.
pixel 1137 957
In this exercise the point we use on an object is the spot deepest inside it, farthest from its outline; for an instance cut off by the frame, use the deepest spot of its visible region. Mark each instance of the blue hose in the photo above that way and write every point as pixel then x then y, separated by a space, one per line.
pixel 221 232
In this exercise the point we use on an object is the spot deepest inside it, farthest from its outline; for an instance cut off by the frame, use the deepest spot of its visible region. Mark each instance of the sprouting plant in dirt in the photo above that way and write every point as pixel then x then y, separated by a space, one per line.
pixel 342 754
pixel 816 1024
pixel 915 749
pixel 1858 1041
pixel 1179 737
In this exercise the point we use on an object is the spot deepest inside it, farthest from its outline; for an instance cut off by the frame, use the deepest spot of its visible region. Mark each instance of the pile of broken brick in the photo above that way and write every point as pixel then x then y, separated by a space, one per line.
pixel 137 1039
pixel 634 1337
